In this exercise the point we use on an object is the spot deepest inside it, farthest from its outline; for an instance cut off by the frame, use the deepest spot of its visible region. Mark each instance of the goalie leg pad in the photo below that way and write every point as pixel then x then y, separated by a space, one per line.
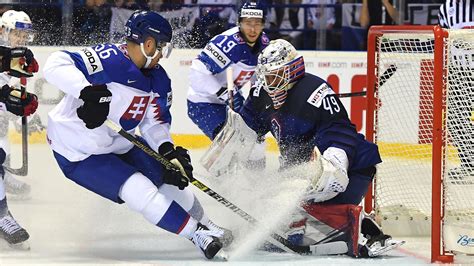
pixel 344 218
pixel 233 144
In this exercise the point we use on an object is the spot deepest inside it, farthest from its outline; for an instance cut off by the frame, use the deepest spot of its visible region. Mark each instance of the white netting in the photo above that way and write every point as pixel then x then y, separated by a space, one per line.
pixel 403 130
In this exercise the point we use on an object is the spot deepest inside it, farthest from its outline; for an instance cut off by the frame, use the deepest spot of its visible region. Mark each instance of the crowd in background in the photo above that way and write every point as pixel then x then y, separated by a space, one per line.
pixel 307 24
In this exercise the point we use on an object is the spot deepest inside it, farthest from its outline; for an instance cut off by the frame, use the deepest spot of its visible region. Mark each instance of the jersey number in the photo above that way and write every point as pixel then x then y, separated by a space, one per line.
pixel 228 46
pixel 104 54
pixel 330 104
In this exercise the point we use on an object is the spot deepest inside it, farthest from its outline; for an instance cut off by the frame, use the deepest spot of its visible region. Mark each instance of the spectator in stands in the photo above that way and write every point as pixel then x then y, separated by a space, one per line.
pixel 372 14
pixel 291 18
pixel 211 20
pixel 92 22
pixel 322 21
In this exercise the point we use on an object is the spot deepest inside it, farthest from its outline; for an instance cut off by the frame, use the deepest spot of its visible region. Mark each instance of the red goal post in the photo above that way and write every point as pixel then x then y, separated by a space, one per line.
pixel 419 79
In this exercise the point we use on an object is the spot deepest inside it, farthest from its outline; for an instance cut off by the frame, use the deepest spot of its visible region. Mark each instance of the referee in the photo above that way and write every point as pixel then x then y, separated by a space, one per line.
pixel 456 14
pixel 459 14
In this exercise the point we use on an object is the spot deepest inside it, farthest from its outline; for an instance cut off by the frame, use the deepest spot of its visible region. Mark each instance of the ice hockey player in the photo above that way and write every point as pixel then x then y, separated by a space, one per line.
pixel 125 83
pixel 18 62
pixel 238 49
pixel 305 116
pixel 17 31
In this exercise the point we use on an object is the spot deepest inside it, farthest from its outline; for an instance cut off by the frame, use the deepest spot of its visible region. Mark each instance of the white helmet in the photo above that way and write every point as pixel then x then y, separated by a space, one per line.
pixel 279 66
pixel 17 22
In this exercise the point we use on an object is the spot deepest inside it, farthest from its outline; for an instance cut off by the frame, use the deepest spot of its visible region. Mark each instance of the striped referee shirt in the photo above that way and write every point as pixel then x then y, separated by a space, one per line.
pixel 456 14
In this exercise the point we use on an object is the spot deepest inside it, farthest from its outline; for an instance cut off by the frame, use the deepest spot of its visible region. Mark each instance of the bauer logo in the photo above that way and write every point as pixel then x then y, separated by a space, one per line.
pixel 217 55
pixel 91 60
pixel 466 241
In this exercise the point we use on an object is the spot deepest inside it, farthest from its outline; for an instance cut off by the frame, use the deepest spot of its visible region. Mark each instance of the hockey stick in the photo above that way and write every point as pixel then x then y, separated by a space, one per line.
pixel 283 243
pixel 230 86
pixel 387 74
pixel 23 170
pixel 351 94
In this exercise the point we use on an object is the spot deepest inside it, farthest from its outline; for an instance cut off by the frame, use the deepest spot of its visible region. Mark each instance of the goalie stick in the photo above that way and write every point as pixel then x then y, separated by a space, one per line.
pixel 280 241
pixel 230 86
pixel 23 170
pixel 387 74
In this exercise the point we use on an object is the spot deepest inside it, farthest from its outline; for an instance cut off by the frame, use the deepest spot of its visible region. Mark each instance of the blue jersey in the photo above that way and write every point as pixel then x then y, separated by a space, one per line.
pixel 312 115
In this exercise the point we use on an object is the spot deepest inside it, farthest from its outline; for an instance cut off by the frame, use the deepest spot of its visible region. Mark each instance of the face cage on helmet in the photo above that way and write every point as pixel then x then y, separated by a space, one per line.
pixel 280 78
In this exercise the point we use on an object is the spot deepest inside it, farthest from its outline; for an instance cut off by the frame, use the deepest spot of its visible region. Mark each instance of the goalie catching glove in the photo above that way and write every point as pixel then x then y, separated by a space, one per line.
pixel 18 62
pixel 11 100
pixel 178 156
pixel 331 177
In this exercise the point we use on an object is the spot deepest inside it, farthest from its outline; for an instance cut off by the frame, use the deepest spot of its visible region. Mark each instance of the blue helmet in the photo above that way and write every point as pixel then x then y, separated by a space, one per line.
pixel 252 9
pixel 142 24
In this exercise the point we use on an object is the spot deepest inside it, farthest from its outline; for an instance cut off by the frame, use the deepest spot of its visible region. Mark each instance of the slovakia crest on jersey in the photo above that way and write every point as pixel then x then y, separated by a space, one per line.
pixel 238 38
pixel 135 112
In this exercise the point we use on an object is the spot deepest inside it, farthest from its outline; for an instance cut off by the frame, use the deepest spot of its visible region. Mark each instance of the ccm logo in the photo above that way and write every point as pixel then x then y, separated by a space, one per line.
pixel 216 54
pixel 106 99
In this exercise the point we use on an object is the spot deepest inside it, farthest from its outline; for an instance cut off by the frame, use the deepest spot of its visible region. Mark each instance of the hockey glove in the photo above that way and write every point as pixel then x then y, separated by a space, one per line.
pixel 19 62
pixel 14 102
pixel 237 102
pixel 96 105
pixel 179 156
pixel 330 176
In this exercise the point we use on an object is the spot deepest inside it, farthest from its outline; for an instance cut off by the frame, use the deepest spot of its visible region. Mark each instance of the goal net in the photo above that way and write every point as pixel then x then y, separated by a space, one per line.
pixel 420 104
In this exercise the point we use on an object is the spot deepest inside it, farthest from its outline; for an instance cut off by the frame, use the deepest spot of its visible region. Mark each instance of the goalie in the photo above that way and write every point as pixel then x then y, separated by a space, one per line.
pixel 305 116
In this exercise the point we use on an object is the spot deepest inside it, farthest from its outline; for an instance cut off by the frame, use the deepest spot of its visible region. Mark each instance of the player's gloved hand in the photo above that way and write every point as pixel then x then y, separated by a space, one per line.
pixel 14 102
pixel 18 61
pixel 179 156
pixel 237 102
pixel 96 105
pixel 182 160
pixel 330 176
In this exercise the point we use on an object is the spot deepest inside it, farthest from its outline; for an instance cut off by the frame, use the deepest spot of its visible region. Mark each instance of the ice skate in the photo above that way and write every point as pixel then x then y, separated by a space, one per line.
pixel 13 233
pixel 379 245
pixel 15 188
pixel 207 241
pixel 224 235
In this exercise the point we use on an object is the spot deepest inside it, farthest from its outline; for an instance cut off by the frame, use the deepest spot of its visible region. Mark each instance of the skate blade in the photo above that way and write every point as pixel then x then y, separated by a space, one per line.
pixel 25 246
pixel 221 255
pixel 386 248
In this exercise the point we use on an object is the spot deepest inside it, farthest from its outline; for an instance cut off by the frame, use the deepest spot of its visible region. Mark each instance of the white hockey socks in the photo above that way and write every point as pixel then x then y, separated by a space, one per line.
pixel 141 195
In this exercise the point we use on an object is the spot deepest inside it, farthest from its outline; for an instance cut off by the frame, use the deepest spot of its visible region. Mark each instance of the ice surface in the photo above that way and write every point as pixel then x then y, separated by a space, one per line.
pixel 70 225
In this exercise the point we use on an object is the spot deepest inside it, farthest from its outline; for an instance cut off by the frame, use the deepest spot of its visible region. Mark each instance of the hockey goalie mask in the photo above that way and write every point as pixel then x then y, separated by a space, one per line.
pixel 279 67
pixel 17 28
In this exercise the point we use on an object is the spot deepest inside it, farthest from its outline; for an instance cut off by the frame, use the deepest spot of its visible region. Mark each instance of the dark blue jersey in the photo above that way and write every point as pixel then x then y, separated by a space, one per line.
pixel 312 115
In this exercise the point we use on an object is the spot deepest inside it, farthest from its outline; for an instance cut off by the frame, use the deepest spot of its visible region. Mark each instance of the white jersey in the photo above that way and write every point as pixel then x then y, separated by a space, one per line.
pixel 138 101
pixel 207 76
